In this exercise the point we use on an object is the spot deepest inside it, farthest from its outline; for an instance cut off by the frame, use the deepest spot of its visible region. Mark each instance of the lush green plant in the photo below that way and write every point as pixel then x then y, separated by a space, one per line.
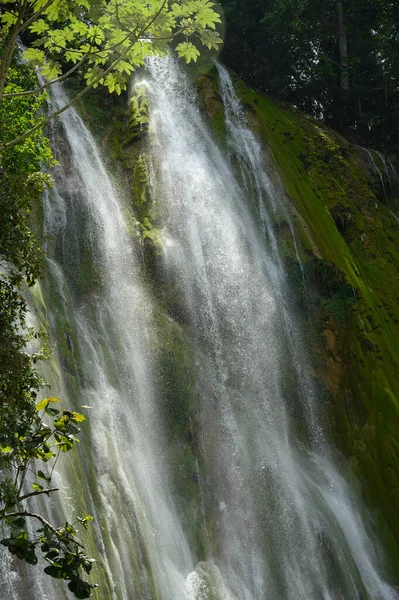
pixel 21 178
pixel 105 40
pixel 35 440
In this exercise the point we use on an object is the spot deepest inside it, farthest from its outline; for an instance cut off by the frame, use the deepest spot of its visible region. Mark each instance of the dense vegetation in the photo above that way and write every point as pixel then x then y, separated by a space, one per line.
pixel 337 61
pixel 104 42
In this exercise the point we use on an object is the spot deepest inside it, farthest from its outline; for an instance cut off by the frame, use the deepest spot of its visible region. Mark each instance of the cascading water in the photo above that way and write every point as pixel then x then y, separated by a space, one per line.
pixel 235 497
pixel 267 495
pixel 99 311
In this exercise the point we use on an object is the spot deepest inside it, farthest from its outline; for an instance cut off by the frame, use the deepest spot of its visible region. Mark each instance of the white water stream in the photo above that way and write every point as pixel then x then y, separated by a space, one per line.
pixel 285 525
pixel 270 517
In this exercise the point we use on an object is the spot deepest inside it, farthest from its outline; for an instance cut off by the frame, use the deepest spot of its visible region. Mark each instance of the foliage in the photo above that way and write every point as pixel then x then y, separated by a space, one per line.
pixel 290 48
pixel 35 440
pixel 20 255
pixel 106 40
pixel 24 436
pixel 21 178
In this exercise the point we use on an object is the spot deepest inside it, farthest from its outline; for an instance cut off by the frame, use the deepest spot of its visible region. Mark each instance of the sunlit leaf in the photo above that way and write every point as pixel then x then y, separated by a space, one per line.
pixel 188 51
pixel 6 449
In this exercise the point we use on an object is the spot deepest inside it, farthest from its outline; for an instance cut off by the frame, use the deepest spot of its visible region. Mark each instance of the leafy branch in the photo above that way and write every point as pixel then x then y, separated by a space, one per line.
pixel 60 547
pixel 106 46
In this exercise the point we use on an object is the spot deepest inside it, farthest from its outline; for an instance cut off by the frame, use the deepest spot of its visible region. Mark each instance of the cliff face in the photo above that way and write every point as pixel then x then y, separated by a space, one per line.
pixel 345 204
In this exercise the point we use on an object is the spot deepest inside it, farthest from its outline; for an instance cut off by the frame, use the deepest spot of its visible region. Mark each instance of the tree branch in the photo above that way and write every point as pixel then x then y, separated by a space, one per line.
pixel 9 46
pixel 46 120
pixel 49 83
pixel 25 513
pixel 37 493
pixel 42 520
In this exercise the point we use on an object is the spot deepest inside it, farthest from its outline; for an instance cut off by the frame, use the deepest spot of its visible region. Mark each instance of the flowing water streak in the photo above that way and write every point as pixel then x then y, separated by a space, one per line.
pixel 284 522
pixel 271 205
pixel 253 167
pixel 377 170
pixel 101 319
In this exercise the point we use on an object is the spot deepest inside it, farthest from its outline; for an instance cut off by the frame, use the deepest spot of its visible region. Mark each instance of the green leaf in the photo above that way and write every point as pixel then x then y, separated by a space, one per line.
pixel 20 522
pixel 39 26
pixel 73 56
pixel 56 571
pixel 8 18
pixel 80 588
pixel 72 428
pixel 51 70
pixel 43 403
pixel 206 16
pixel 61 423
pixel 6 449
pixel 37 487
pixel 22 540
pixel 84 520
pixel 110 82
pixel 64 446
pixel 188 51
pixel 78 417
pixel 30 555
pixel 69 529
pixel 34 56
pixel 210 39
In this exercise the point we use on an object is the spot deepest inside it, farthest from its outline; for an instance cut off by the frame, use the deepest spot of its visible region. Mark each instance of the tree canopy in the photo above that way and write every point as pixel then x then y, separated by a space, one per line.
pixel 106 40
pixel 295 50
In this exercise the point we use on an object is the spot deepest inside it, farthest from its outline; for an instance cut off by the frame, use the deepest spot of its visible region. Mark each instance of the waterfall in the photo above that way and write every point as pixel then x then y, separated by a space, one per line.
pixel 388 176
pixel 203 461
pixel 101 318
pixel 268 493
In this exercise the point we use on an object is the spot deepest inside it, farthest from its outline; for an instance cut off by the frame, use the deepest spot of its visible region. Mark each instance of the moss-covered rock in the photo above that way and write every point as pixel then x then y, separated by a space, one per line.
pixel 138 113
pixel 348 242
pixel 212 104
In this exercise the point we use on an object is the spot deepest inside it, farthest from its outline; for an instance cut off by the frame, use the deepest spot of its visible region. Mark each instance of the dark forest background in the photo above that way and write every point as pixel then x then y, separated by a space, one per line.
pixel 337 60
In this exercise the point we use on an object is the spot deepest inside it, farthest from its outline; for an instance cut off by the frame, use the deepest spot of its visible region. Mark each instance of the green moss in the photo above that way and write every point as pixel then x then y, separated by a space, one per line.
pixel 138 114
pixel 143 201
pixel 141 183
pixel 212 103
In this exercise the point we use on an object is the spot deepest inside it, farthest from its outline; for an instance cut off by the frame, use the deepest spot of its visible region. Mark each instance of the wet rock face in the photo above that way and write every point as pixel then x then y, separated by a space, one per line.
pixel 342 218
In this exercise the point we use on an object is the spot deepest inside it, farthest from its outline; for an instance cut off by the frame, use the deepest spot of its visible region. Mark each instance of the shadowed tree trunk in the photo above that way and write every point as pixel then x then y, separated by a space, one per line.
pixel 344 73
